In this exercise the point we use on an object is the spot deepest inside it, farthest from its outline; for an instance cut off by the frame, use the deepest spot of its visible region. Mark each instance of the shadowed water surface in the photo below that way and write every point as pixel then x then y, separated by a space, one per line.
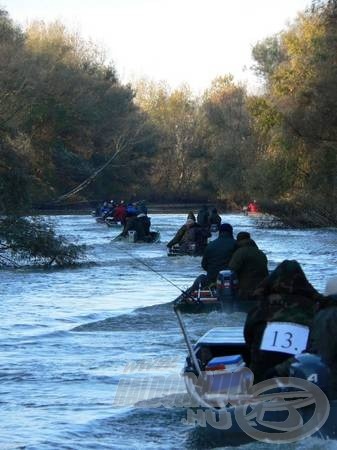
pixel 69 336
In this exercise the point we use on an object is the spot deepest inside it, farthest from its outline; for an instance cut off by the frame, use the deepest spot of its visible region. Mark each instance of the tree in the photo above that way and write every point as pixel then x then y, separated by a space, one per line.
pixel 176 117
pixel 230 143
pixel 300 135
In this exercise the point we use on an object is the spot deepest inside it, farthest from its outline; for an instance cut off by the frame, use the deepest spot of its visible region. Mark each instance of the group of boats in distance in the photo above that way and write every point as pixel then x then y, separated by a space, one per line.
pixel 217 375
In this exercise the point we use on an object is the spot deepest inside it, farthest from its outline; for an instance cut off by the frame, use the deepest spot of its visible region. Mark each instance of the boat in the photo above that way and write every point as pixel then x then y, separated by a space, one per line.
pixel 223 397
pixel 112 223
pixel 183 250
pixel 255 214
pixel 131 237
pixel 220 297
pixel 192 248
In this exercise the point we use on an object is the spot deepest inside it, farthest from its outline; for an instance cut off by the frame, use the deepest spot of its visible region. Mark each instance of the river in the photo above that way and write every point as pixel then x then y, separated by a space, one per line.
pixel 70 336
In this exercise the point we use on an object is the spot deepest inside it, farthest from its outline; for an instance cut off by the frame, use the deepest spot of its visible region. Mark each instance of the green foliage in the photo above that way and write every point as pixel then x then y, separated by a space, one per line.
pixel 268 55
pixel 36 240
pixel 295 121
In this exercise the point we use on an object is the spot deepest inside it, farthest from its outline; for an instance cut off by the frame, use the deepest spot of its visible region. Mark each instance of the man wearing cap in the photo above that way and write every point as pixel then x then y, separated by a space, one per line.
pixel 217 256
pixel 249 263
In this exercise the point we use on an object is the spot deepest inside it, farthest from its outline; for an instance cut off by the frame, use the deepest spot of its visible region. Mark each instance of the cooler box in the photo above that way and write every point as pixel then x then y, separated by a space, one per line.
pixel 227 374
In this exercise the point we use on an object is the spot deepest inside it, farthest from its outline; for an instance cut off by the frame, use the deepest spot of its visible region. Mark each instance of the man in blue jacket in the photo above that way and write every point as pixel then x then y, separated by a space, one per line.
pixel 217 256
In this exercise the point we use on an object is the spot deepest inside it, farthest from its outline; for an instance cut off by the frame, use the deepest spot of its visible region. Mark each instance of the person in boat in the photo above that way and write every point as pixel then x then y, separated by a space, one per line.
pixel 249 263
pixel 143 226
pixel 284 296
pixel 253 207
pixel 120 213
pixel 191 215
pixel 216 256
pixel 185 236
pixel 104 208
pixel 131 213
pixel 203 217
pixel 322 340
pixel 110 211
pixel 141 206
pixel 140 224
pixel 214 220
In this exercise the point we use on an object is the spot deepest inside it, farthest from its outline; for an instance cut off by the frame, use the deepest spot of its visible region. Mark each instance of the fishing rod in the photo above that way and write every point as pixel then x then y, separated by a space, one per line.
pixel 186 293
pixel 177 312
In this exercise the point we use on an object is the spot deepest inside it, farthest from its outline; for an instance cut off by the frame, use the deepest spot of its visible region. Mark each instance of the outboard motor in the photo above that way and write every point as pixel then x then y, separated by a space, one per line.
pixel 226 285
pixel 311 368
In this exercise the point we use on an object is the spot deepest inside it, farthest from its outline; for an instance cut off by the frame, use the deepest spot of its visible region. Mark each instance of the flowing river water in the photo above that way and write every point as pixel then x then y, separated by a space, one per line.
pixel 71 337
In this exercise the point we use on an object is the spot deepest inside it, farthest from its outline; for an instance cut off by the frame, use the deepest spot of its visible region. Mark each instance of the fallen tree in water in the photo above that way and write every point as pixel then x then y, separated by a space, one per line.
pixel 304 212
pixel 34 241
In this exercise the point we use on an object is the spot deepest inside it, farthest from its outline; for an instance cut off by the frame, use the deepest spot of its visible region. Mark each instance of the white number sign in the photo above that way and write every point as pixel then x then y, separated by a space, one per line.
pixel 285 337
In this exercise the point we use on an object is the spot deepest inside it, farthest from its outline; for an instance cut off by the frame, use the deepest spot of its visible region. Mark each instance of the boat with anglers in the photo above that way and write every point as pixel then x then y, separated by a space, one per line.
pixel 223 296
pixel 194 248
pixel 218 380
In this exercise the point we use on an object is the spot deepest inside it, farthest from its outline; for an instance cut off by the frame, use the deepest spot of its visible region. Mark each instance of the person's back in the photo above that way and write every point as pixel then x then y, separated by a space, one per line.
pixel 203 217
pixel 214 218
pixel 249 263
pixel 181 235
pixel 120 213
pixel 142 207
pixel 132 210
pixel 142 226
pixel 284 296
pixel 218 252
pixel 104 208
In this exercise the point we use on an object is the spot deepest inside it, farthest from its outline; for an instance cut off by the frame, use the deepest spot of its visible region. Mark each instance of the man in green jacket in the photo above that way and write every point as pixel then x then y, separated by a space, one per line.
pixel 217 256
pixel 284 296
pixel 249 263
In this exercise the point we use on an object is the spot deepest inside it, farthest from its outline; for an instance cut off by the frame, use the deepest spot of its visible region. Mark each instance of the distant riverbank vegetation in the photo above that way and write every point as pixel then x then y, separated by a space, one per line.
pixel 71 131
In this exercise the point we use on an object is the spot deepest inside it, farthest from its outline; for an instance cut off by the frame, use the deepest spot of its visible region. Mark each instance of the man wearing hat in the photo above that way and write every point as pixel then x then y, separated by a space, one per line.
pixel 217 256
pixel 249 263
